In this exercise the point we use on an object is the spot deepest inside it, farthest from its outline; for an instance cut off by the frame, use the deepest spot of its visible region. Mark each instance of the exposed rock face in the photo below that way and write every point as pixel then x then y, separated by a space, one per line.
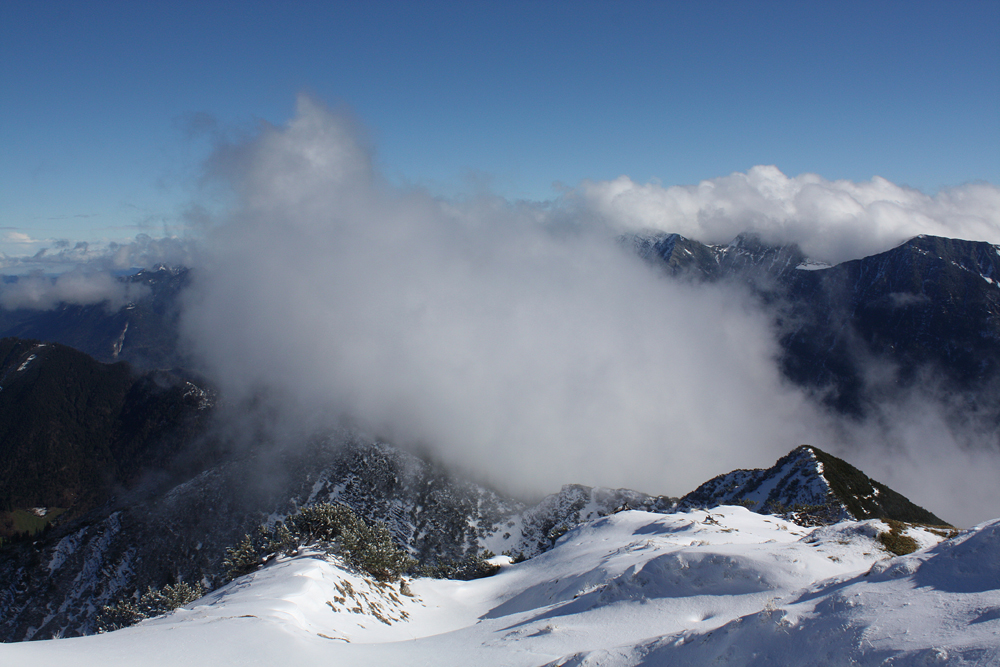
pixel 536 529
pixel 811 481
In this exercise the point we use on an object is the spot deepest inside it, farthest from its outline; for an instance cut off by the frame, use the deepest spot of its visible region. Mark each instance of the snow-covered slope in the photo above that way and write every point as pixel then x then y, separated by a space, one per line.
pixel 181 534
pixel 724 586
pixel 58 585
pixel 536 529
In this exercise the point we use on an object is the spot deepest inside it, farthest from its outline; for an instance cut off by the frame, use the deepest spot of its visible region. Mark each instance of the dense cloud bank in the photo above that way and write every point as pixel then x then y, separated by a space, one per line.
pixel 521 341
pixel 522 346
pixel 832 221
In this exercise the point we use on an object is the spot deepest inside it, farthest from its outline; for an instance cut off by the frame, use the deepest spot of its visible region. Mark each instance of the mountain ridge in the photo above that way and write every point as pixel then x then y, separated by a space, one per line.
pixel 930 305
pixel 722 586
pixel 812 485
pixel 57 584
pixel 157 529
pixel 72 428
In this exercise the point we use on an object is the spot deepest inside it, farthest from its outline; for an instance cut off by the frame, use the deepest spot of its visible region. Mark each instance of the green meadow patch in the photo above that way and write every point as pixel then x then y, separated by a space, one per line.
pixel 22 524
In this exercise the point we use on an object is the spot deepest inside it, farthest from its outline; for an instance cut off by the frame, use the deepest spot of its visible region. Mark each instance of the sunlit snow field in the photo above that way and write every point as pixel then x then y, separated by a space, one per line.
pixel 724 586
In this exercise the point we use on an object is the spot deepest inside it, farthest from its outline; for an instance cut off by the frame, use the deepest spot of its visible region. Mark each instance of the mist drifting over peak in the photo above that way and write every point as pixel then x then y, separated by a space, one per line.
pixel 519 344
pixel 522 342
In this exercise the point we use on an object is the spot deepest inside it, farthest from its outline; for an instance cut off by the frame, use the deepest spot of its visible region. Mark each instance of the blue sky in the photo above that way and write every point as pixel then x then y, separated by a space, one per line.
pixel 101 102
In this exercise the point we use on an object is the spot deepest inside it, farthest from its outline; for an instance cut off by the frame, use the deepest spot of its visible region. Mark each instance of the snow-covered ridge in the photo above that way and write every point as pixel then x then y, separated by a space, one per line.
pixel 795 480
pixel 819 487
pixel 725 586
pixel 186 530
pixel 535 529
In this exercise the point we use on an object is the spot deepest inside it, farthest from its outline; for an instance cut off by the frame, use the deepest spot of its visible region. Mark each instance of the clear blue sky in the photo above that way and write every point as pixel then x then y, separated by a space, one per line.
pixel 97 99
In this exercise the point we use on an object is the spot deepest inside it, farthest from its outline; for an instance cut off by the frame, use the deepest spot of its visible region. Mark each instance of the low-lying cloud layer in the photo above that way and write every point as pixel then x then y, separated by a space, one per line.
pixel 84 274
pixel 60 255
pixel 79 287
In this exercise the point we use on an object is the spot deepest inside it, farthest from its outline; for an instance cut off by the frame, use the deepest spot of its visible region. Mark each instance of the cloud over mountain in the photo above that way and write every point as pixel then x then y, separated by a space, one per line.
pixel 78 287
pixel 832 221
pixel 521 340
pixel 507 339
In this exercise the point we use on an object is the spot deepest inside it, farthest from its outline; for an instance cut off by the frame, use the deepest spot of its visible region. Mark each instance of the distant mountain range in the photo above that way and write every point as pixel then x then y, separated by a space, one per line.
pixel 143 333
pixel 929 306
pixel 103 422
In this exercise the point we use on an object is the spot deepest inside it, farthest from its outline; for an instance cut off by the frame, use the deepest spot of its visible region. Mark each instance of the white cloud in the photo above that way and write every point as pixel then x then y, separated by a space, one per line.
pixel 529 349
pixel 519 341
pixel 19 237
pixel 832 221
pixel 931 446
pixel 78 287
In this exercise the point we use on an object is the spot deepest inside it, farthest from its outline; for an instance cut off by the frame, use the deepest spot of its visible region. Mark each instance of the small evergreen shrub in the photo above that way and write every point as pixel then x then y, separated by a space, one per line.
pixel 815 515
pixel 476 565
pixel 775 507
pixel 515 556
pixel 556 532
pixel 242 559
pixel 334 529
pixel 154 602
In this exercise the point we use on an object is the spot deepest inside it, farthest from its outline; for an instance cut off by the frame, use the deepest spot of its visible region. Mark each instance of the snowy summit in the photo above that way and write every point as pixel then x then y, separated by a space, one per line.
pixel 720 586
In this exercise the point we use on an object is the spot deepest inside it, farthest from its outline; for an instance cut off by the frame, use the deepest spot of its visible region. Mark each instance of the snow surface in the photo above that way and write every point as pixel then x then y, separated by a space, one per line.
pixel 810 265
pixel 27 362
pixel 724 586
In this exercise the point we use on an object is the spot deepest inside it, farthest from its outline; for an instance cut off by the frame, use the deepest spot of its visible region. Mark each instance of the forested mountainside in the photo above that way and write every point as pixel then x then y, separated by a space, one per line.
pixel 72 429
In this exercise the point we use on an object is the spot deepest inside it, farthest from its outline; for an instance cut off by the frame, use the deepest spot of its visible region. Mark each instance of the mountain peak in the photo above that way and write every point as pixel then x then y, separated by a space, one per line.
pixel 811 482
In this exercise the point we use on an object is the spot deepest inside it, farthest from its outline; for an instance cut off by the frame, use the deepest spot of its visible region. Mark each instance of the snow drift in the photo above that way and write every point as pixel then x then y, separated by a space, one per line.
pixel 634 588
